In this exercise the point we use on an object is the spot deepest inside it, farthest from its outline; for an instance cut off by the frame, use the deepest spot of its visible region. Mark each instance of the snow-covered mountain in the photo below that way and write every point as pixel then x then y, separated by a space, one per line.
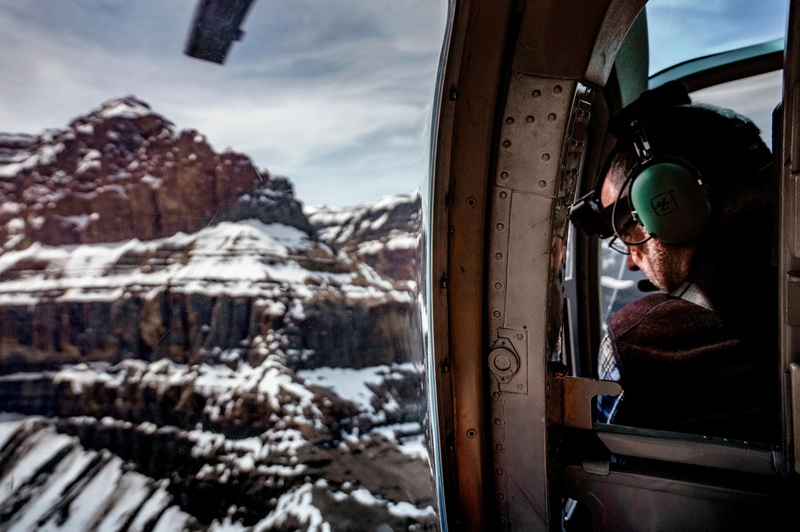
pixel 385 234
pixel 181 349
pixel 124 171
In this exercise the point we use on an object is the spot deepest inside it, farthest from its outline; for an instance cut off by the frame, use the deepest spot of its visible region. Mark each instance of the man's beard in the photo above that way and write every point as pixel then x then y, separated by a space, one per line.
pixel 667 268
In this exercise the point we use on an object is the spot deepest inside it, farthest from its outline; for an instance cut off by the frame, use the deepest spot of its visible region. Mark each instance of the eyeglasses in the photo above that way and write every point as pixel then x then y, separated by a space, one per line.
pixel 619 245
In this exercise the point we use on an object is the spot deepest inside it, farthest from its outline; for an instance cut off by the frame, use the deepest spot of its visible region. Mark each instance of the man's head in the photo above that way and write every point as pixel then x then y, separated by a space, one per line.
pixel 726 156
pixel 665 265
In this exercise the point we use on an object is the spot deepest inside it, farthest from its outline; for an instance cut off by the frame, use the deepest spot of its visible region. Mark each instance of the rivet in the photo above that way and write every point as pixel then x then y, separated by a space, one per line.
pixel 498 286
pixel 471 433
pixel 506 143
pixel 496 395
pixel 499 446
pixel 551 117
pixel 520 336
pixel 500 497
pixel 529 119
pixel 498 256
pixel 520 386
pixel 503 195
pixel 496 314
pixel 542 183
pixel 557 89
pixel 471 202
pixel 536 93
pixel 545 156
pixel 510 120
pixel 500 226
pixel 499 471
pixel 503 175
pixel 498 421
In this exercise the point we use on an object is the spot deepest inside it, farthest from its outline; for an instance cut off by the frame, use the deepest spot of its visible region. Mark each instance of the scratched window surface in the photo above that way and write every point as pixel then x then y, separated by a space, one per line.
pixel 211 309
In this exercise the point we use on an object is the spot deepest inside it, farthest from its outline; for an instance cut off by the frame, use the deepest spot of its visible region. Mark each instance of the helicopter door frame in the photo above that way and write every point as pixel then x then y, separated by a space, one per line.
pixel 789 254
pixel 520 86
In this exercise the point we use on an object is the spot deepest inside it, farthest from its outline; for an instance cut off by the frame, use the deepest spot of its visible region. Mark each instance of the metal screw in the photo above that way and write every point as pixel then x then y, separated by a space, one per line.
pixel 496 395
pixel 502 363
pixel 503 175
pixel 529 119
pixel 499 471
pixel 545 156
pixel 506 143
pixel 498 256
pixel 520 336
pixel 503 195
pixel 500 227
pixel 542 183
pixel 498 286
pixel 551 117
pixel 498 421
pixel 510 120
pixel 536 93
pixel 520 387
pixel 496 313
pixel 557 89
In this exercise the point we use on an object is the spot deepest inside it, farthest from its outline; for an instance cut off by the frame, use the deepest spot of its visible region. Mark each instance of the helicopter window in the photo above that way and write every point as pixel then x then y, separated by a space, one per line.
pixel 679 30
pixel 185 342
pixel 754 97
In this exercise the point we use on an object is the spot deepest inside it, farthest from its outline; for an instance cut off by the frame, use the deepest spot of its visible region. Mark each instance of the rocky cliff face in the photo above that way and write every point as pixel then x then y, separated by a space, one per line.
pixel 113 175
pixel 181 350
pixel 385 234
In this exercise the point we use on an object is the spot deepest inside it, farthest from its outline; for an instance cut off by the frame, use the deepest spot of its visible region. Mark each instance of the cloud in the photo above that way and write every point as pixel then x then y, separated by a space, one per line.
pixel 327 92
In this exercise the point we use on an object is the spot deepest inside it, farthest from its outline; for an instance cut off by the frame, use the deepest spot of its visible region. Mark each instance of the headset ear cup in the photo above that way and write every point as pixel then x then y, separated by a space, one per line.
pixel 670 202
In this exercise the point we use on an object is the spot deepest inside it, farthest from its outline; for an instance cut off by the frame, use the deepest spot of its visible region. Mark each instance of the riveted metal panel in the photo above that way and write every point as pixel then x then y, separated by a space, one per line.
pixel 534 125
pixel 541 144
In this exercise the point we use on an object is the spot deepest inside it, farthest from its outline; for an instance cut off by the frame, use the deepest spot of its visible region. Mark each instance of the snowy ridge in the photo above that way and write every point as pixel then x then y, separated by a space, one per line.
pixel 385 234
pixel 244 258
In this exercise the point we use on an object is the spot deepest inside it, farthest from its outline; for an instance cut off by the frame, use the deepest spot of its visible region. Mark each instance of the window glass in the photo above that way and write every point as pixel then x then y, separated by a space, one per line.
pixel 211 275
pixel 754 97
pixel 680 30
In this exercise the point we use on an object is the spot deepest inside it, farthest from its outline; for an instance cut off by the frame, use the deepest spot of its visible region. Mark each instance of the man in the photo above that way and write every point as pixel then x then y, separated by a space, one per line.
pixel 687 191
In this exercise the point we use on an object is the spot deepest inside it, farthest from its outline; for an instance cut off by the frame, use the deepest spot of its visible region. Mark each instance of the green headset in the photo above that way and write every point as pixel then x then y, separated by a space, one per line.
pixel 666 195
pixel 666 190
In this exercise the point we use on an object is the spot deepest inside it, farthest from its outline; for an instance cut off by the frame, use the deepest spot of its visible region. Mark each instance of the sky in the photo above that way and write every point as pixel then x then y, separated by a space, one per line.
pixel 334 94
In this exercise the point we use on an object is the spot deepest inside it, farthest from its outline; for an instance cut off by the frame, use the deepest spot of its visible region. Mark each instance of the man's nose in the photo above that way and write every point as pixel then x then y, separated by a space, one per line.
pixel 632 264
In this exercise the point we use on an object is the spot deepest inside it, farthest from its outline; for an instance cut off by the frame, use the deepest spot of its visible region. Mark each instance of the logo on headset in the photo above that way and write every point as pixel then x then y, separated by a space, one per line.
pixel 664 203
